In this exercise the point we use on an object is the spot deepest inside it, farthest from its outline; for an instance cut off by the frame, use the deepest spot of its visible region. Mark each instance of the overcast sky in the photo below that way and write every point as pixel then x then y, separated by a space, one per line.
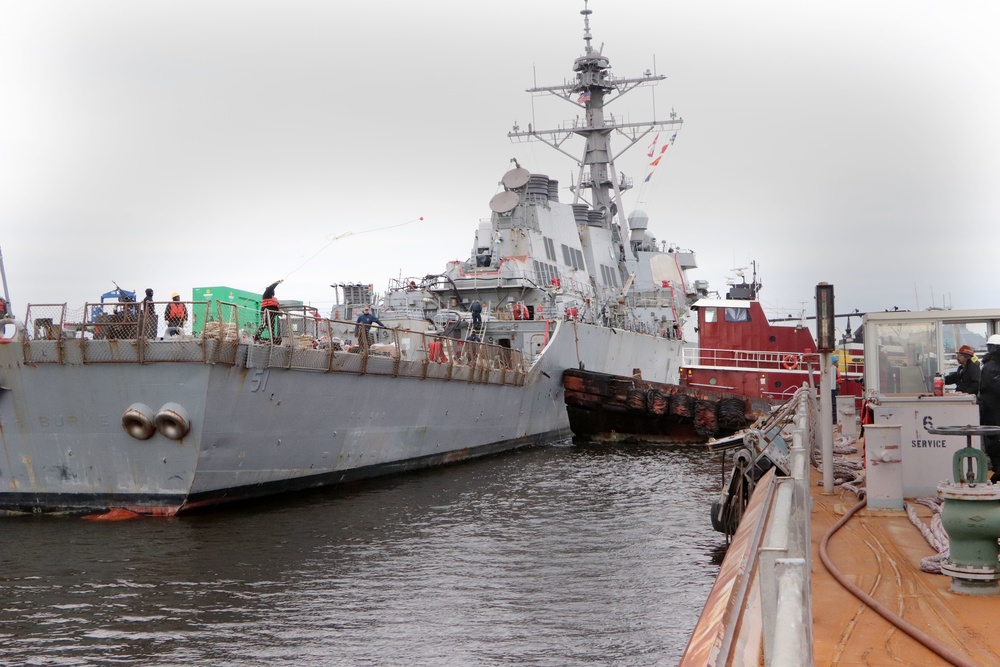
pixel 185 144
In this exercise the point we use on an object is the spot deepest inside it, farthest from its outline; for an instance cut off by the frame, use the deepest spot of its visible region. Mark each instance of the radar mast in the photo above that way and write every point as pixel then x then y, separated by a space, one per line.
pixel 594 88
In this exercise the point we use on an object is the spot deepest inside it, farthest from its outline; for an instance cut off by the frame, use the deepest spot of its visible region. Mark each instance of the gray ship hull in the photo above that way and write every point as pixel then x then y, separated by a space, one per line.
pixel 97 411
pixel 266 419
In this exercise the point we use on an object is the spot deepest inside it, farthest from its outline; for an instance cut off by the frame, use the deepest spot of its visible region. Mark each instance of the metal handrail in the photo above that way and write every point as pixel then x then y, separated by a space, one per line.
pixel 301 341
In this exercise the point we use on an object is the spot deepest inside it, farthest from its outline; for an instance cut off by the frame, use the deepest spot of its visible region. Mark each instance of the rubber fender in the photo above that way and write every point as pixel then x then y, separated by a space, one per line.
pixel 137 421
pixel 172 421
pixel 718 524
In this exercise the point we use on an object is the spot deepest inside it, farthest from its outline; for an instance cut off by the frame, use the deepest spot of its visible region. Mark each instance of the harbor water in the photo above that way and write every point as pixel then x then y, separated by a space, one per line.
pixel 555 555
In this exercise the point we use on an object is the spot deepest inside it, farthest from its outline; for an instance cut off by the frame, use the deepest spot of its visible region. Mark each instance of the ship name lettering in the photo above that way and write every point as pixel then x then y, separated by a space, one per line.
pixel 928 443
pixel 6 424
pixel 62 421
pixel 258 380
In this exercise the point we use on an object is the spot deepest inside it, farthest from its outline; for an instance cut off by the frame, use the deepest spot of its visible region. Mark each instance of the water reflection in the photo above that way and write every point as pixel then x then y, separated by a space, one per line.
pixel 551 556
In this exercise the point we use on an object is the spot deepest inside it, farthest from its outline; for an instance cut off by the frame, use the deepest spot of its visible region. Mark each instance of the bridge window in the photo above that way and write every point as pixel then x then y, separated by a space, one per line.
pixel 737 314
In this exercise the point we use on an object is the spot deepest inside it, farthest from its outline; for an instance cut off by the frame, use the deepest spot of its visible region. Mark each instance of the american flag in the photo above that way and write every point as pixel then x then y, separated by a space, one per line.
pixel 584 97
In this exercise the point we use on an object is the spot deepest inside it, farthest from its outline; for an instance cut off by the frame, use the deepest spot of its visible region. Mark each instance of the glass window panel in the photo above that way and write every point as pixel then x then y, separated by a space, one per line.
pixel 956 334
pixel 907 357
pixel 737 314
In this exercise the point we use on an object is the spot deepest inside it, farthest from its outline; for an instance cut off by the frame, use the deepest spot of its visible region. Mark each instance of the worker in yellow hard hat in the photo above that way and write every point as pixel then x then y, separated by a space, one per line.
pixel 175 315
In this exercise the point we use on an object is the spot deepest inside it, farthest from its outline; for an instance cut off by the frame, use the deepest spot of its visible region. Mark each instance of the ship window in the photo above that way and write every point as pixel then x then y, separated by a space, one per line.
pixel 737 314
pixel 609 276
pixel 566 257
pixel 579 258
pixel 545 273
pixel 550 249
pixel 710 315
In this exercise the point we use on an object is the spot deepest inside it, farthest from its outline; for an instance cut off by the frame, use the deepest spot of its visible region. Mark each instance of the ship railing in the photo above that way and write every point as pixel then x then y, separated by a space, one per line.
pixel 306 341
pixel 750 360
pixel 394 351
pixel 407 312
pixel 109 332
pixel 662 299
pixel 225 333
pixel 853 370
pixel 659 329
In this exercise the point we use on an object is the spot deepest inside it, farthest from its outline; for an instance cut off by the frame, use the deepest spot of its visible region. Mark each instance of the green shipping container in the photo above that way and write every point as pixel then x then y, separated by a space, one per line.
pixel 248 304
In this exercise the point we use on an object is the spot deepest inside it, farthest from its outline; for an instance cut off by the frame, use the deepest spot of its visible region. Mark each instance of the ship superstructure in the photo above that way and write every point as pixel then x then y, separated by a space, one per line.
pixel 539 258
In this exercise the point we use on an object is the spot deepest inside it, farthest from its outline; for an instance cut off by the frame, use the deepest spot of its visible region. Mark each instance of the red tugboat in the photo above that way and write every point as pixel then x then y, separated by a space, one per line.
pixel 741 352
pixel 743 365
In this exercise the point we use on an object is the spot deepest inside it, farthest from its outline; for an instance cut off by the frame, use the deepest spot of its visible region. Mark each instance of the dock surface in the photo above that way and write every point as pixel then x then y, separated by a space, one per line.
pixel 880 552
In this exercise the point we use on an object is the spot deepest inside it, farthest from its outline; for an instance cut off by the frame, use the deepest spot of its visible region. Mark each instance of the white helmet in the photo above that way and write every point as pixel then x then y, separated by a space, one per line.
pixel 993 340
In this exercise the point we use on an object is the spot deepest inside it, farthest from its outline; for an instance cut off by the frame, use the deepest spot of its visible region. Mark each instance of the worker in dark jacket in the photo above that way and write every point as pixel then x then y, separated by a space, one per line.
pixel 147 316
pixel 361 330
pixel 989 401
pixel 477 314
pixel 966 376
pixel 269 308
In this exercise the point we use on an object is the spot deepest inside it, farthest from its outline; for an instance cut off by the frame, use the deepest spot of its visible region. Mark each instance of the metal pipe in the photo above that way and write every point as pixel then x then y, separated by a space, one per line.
pixel 3 276
pixel 826 422
pixel 791 645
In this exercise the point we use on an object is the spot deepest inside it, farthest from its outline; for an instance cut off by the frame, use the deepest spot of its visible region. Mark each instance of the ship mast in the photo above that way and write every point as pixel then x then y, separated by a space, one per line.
pixel 593 89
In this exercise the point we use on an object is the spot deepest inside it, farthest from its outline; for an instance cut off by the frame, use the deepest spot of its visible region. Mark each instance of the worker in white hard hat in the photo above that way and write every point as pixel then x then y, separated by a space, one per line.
pixel 989 401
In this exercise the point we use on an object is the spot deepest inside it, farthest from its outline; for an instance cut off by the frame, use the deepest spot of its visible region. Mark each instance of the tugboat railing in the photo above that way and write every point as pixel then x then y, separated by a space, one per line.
pixel 751 360
pixel 769 361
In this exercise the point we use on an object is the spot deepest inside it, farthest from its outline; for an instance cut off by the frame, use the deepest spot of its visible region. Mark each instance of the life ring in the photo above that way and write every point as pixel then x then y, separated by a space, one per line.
pixel 790 362
pixel 16 330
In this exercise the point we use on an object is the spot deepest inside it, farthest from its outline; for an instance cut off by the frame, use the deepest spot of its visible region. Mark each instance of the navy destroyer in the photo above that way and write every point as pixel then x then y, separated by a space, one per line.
pixel 98 411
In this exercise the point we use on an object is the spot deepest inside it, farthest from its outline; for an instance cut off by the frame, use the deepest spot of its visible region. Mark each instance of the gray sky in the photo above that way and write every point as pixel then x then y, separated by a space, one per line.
pixel 181 144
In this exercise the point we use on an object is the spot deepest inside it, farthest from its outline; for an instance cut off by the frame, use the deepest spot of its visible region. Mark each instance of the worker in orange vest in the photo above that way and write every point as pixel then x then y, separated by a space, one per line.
pixel 175 315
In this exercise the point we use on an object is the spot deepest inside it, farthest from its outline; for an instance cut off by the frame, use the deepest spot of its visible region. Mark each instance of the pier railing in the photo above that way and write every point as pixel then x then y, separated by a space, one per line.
pixel 229 334
pixel 761 603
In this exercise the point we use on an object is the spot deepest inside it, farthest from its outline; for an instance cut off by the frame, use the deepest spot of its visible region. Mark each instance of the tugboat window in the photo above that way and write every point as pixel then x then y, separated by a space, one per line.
pixel 737 314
